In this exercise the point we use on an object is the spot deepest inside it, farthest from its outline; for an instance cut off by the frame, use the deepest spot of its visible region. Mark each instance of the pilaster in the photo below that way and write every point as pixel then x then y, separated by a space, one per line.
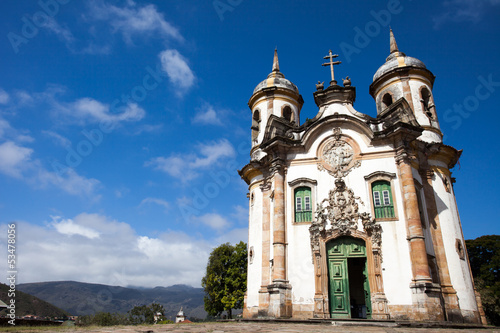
pixel 450 298
pixel 263 293
pixel 425 295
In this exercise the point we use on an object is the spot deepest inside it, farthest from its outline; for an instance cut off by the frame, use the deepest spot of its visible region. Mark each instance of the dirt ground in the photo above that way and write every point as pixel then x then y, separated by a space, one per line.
pixel 264 327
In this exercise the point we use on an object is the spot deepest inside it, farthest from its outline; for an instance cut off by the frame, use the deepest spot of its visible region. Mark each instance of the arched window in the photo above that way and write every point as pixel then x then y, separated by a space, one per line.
pixel 287 113
pixel 387 100
pixel 426 102
pixel 255 125
pixel 303 204
pixel 382 199
pixel 256 120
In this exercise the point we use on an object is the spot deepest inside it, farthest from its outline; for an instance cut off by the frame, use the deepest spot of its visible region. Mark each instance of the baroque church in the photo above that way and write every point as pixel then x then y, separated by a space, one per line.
pixel 352 216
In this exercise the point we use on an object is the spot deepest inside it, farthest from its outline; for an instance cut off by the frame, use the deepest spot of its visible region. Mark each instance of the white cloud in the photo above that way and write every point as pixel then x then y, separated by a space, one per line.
pixel 212 152
pixel 117 256
pixel 463 11
pixel 185 166
pixel 135 21
pixel 4 97
pixel 207 115
pixel 157 201
pixel 214 221
pixel 14 159
pixel 177 69
pixel 70 228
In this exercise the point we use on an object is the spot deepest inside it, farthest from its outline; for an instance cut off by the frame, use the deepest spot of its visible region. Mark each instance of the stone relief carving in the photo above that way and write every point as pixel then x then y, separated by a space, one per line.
pixel 337 156
pixel 339 214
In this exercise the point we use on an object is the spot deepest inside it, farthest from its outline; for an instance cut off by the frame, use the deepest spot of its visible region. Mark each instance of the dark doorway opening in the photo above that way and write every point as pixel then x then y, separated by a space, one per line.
pixel 357 278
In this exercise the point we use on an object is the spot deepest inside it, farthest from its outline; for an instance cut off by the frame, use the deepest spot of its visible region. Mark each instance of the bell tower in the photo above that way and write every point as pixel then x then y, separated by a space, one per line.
pixel 274 96
pixel 406 77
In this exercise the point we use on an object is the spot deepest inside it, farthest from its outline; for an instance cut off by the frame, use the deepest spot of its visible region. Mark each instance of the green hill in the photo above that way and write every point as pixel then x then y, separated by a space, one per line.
pixel 30 305
pixel 86 298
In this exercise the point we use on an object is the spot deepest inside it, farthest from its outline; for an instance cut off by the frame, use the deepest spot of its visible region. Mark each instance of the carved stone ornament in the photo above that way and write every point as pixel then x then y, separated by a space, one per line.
pixel 339 214
pixel 337 156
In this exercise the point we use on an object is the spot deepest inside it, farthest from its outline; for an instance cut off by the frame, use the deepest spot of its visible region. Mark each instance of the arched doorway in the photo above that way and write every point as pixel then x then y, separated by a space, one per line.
pixel 348 283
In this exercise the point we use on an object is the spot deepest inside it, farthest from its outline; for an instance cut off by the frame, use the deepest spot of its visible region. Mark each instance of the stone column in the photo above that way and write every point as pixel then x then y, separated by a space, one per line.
pixel 280 296
pixel 266 236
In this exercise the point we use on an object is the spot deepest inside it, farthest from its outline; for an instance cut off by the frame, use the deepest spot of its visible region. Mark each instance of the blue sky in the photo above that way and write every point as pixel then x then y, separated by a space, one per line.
pixel 122 123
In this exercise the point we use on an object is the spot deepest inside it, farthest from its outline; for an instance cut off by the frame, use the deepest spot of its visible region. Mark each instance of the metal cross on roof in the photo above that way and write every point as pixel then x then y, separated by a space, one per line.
pixel 331 64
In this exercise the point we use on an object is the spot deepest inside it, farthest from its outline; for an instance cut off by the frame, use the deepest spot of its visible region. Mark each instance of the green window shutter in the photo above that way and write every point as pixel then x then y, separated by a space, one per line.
pixel 303 204
pixel 382 199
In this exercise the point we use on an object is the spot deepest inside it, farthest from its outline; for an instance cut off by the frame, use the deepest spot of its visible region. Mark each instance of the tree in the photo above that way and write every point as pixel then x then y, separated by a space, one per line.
pixel 484 258
pixel 145 314
pixel 225 281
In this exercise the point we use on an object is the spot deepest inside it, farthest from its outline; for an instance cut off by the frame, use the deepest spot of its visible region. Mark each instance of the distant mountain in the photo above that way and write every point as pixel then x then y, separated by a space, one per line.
pixel 80 298
pixel 30 305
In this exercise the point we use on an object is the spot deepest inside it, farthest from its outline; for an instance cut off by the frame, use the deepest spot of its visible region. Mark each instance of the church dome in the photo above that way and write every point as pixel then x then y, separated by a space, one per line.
pixel 276 79
pixel 396 60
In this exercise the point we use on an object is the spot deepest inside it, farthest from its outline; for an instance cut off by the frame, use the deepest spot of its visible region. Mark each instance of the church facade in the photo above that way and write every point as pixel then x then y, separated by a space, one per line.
pixel 352 216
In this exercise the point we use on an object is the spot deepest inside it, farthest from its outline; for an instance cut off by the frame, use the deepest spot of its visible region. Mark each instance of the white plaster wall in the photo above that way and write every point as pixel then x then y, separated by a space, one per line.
pixel 452 230
pixel 396 265
pixel 255 240
pixel 300 267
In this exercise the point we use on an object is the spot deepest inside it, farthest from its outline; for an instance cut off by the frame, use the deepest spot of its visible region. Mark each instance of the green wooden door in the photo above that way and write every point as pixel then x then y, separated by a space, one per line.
pixel 339 288
pixel 340 251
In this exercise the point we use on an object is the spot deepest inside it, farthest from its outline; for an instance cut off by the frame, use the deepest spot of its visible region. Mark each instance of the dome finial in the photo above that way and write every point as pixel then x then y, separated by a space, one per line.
pixel 394 45
pixel 276 63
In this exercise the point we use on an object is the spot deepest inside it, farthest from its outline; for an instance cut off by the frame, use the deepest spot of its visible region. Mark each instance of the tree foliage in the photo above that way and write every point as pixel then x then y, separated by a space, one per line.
pixel 225 281
pixel 144 314
pixel 484 257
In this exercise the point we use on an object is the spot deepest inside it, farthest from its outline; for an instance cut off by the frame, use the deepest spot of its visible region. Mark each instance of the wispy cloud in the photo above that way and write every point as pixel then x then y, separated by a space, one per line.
pixel 14 159
pixel 207 115
pixel 156 201
pixel 178 71
pixel 60 31
pixel 463 11
pixel 185 166
pixel 57 138
pixel 4 97
pixel 134 21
